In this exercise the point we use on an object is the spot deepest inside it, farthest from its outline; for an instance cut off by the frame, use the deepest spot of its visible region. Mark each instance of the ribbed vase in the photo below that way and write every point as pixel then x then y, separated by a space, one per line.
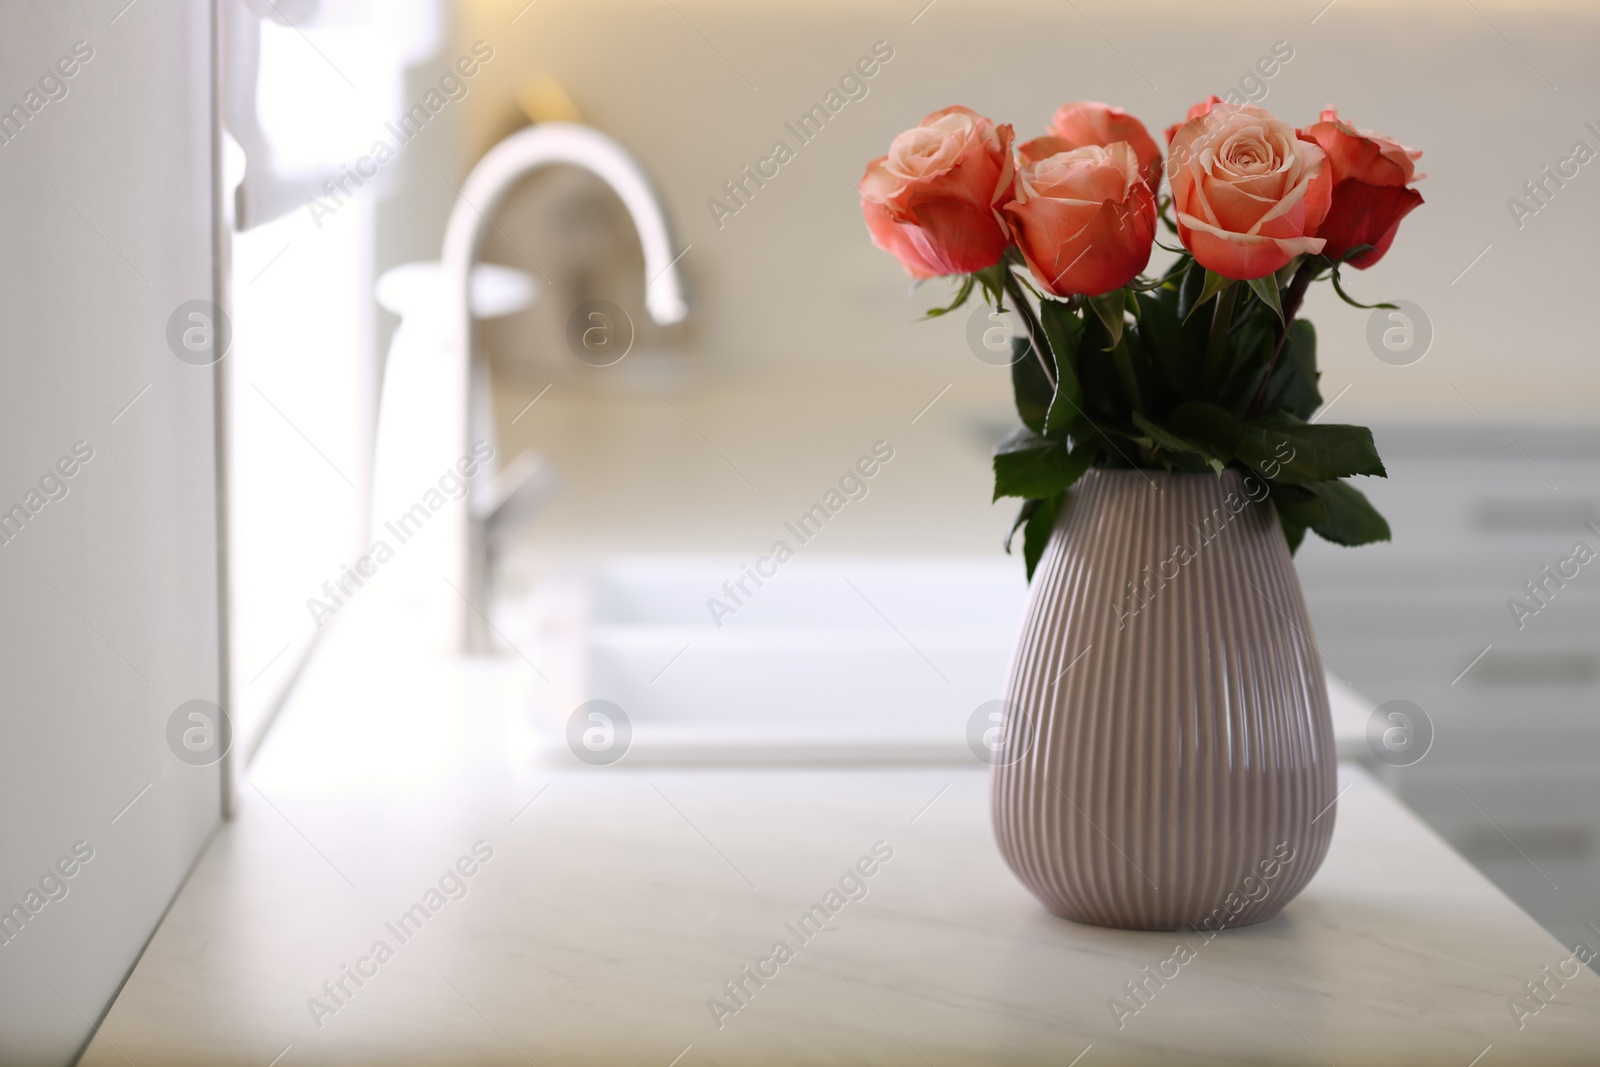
pixel 1169 741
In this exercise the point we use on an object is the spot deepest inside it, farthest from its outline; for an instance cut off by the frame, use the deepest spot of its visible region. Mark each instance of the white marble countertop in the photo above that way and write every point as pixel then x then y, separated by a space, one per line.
pixel 617 903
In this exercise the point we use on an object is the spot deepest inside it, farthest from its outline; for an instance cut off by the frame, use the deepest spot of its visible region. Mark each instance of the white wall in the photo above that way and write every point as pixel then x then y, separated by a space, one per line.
pixel 306 367
pixel 110 593
pixel 299 434
pixel 791 286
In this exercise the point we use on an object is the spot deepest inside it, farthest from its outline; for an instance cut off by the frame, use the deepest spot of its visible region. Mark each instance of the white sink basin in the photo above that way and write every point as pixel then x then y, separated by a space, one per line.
pixel 831 660
pixel 839 659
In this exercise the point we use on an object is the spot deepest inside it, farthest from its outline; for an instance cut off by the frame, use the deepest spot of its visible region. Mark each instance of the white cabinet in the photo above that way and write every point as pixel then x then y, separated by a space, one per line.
pixel 1513 778
pixel 111 590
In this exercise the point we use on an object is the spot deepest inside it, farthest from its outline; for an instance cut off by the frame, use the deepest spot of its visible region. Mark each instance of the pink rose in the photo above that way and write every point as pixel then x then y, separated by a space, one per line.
pixel 889 236
pixel 939 191
pixel 1371 174
pixel 1093 123
pixel 1200 110
pixel 1248 192
pixel 1084 218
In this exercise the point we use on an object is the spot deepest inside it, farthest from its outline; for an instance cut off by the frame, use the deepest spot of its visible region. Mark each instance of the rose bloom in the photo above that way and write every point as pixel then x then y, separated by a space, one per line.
pixel 1200 110
pixel 1094 123
pixel 1248 192
pixel 934 200
pixel 1084 218
pixel 1371 174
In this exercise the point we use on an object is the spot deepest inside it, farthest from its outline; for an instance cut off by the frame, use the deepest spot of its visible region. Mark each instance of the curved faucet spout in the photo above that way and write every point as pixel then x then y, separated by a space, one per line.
pixel 458 389
pixel 564 142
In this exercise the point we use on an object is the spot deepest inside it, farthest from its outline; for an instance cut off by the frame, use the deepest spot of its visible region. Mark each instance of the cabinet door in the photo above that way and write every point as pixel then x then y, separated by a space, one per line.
pixel 108 497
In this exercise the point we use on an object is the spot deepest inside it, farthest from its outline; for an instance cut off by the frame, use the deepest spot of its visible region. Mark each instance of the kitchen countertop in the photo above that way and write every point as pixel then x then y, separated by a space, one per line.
pixel 614 904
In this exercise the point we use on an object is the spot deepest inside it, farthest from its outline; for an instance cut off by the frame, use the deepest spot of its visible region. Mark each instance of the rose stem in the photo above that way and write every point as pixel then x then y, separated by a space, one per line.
pixel 1221 321
pixel 1041 347
pixel 1291 307
pixel 1130 384
pixel 1124 361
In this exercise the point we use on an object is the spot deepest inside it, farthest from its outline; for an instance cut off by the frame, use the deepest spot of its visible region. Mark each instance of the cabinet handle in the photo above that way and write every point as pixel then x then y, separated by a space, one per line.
pixel 1569 668
pixel 1535 515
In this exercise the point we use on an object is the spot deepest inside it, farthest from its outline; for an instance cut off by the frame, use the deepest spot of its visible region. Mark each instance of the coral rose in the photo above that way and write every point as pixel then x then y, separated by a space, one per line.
pixel 1084 218
pixel 1371 175
pixel 1200 110
pixel 891 237
pixel 1248 192
pixel 1094 123
pixel 934 200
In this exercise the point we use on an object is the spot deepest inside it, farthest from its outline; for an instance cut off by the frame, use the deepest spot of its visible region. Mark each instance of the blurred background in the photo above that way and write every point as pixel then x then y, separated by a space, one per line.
pixel 624 492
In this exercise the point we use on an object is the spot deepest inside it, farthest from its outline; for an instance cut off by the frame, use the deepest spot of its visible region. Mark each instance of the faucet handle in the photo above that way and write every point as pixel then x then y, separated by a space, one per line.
pixel 416 291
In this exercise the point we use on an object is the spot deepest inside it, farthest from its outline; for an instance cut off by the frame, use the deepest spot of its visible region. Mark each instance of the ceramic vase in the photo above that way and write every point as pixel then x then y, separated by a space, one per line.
pixel 1168 759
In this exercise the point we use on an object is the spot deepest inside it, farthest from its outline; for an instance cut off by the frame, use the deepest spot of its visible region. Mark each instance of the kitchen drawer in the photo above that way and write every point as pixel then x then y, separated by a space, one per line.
pixel 1439 507
pixel 1421 676
pixel 1465 487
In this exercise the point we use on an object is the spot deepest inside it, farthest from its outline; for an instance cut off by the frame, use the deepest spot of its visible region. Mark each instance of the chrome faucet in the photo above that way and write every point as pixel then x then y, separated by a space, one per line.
pixel 444 414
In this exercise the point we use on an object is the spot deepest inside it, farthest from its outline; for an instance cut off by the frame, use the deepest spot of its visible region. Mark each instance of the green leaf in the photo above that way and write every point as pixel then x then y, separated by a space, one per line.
pixel 1266 290
pixel 1298 505
pixel 1037 519
pixel 1103 396
pixel 1102 443
pixel 1178 350
pixel 1292 533
pixel 1111 307
pixel 1024 513
pixel 1041 524
pixel 1216 430
pixel 1294 380
pixel 1190 285
pixel 1028 465
pixel 1174 443
pixel 1214 285
pixel 992 279
pixel 1249 350
pixel 1277 445
pixel 1298 508
pixel 1063 330
pixel 1351 518
pixel 965 290
pixel 1029 387
pixel 1284 448
pixel 1025 279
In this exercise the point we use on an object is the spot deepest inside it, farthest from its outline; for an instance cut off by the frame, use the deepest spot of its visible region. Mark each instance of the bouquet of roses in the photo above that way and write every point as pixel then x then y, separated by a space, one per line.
pixel 1202 368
